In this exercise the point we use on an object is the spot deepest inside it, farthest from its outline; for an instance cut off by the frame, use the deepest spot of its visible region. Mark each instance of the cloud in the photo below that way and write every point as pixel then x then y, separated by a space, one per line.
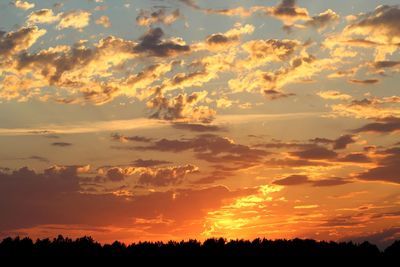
pixel 123 138
pixel 340 143
pixel 43 16
pixel 14 42
pixel 288 12
pixel 214 176
pixel 165 176
pixel 148 162
pixel 61 144
pixel 147 18
pixel 323 20
pixel 355 157
pixel 104 21
pixel 270 50
pixel 237 11
pixel 385 125
pixel 382 238
pixel 39 158
pixel 211 148
pixel 300 70
pixel 335 181
pixel 77 19
pixel 333 95
pixel 304 179
pixel 377 29
pixel 224 40
pixel 316 152
pixel 86 72
pixel 153 45
pixel 37 199
pixel 380 25
pixel 364 82
pixel 293 163
pixel 386 64
pixel 146 172
pixel 190 3
pixel 25 5
pixel 273 94
pixel 388 169
pixel 292 180
pixel 116 174
pixel 182 108
pixel 369 108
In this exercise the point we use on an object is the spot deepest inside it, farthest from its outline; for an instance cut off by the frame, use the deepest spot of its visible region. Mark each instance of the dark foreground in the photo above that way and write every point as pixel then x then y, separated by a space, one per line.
pixel 65 251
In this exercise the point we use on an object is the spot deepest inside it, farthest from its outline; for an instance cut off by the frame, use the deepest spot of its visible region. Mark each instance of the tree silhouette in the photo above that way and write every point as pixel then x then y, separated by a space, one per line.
pixel 65 251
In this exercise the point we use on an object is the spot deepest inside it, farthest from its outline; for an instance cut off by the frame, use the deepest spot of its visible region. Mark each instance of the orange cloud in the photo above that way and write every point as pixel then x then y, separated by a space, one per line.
pixel 368 108
pixel 43 16
pixel 77 19
pixel 25 5
pixel 104 21
pixel 323 20
pixel 288 12
pixel 333 95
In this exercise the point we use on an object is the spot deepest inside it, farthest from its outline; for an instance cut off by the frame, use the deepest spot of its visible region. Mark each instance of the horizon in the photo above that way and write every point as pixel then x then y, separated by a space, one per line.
pixel 176 119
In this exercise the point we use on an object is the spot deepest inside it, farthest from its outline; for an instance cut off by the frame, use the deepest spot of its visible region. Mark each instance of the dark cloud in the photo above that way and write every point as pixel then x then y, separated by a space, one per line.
pixel 153 44
pixel 223 40
pixel 61 144
pixel 216 175
pixel 18 41
pixel 355 157
pixel 335 181
pixel 386 125
pixel 290 162
pixel 25 194
pixel 292 180
pixel 339 143
pixel 29 199
pixel 288 11
pixel 285 145
pixel 219 38
pixel 343 141
pixel 366 82
pixel 388 169
pixel 212 148
pixel 148 162
pixel 382 23
pixel 304 179
pixel 386 64
pixel 115 174
pixel 316 152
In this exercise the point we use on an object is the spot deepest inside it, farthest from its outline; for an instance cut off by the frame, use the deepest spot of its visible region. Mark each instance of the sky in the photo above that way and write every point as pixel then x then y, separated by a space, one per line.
pixel 176 119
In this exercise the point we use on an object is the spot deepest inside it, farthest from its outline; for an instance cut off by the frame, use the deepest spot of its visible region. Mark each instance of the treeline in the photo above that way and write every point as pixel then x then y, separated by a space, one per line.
pixel 62 250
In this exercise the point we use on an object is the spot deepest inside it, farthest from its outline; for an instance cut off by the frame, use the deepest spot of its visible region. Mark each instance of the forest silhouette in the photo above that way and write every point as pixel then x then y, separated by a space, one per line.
pixel 65 251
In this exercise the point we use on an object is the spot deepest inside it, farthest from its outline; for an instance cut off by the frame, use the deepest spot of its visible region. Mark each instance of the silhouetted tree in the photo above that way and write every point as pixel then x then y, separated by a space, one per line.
pixel 65 251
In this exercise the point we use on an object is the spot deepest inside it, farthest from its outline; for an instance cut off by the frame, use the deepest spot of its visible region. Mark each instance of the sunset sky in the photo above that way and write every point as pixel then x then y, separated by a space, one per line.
pixel 176 119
